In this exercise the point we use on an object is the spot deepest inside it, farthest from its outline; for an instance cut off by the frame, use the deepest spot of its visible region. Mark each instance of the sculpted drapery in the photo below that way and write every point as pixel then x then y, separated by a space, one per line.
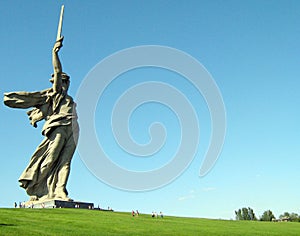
pixel 47 173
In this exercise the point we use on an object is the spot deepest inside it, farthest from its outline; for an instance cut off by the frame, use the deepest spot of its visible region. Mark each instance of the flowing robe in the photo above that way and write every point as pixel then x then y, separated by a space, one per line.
pixel 49 167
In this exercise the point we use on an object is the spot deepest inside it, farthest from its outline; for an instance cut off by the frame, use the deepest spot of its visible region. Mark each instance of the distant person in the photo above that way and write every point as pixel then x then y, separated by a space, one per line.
pixel 153 215
pixel 161 215
pixel 16 205
pixel 132 213
pixel 137 213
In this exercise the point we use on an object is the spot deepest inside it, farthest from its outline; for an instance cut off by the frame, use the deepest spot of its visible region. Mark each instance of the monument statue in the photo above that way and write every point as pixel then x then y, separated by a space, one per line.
pixel 47 173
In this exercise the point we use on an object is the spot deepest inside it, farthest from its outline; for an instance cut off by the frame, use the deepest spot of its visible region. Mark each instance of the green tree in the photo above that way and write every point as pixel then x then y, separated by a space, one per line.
pixel 285 215
pixel 267 216
pixel 291 216
pixel 245 214
pixel 294 217
pixel 251 214
pixel 238 214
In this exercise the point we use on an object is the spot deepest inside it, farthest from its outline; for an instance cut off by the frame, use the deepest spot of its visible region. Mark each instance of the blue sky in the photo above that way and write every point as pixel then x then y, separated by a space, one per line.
pixel 251 49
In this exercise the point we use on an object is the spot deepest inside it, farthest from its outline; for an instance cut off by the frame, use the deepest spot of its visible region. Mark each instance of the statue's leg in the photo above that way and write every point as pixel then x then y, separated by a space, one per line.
pixel 64 165
pixel 30 179
pixel 57 141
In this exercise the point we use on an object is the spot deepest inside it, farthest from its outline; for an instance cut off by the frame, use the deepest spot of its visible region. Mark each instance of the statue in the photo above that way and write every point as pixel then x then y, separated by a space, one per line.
pixel 46 176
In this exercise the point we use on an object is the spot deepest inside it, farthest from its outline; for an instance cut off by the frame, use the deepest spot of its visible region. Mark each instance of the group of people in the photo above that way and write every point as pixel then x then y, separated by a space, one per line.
pixel 135 213
pixel 21 205
pixel 155 215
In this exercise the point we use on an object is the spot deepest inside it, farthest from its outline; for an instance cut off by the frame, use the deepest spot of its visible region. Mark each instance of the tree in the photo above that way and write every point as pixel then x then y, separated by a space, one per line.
pixel 267 216
pixel 238 214
pixel 294 217
pixel 245 214
pixel 285 215
pixel 291 216
pixel 251 214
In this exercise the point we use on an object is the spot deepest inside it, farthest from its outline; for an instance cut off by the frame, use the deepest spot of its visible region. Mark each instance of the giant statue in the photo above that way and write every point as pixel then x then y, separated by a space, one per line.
pixel 47 173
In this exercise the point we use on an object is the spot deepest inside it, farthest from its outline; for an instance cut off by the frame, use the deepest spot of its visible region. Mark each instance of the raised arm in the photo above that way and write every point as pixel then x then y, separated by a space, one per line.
pixel 57 68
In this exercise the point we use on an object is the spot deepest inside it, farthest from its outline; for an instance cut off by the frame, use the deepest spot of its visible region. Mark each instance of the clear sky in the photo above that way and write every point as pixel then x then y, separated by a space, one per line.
pixel 251 49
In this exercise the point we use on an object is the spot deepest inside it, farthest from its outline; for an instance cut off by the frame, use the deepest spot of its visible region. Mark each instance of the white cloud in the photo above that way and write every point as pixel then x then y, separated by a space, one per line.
pixel 183 198
pixel 208 189
pixel 189 195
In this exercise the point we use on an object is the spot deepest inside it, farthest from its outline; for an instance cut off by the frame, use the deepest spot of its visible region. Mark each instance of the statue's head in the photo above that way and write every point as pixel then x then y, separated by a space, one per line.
pixel 64 76
pixel 65 80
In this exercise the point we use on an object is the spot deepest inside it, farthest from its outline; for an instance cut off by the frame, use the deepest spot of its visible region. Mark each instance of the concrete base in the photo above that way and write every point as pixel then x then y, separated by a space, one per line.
pixel 60 204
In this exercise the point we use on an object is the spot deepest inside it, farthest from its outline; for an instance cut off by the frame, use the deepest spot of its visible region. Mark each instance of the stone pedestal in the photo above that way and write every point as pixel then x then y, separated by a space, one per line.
pixel 61 204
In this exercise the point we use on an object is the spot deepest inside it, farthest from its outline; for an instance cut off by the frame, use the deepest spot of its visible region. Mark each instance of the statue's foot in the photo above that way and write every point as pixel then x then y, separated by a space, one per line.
pixel 64 197
pixel 69 199
pixel 50 196
pixel 33 198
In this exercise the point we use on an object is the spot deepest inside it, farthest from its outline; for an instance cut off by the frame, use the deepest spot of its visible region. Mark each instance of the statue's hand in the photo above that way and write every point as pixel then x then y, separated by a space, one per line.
pixel 58 44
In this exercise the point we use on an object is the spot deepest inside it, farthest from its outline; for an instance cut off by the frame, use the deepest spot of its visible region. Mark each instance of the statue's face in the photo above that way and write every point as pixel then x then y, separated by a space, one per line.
pixel 65 84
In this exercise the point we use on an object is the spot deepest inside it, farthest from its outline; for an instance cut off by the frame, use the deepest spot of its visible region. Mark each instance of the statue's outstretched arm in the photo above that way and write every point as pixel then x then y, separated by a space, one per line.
pixel 57 66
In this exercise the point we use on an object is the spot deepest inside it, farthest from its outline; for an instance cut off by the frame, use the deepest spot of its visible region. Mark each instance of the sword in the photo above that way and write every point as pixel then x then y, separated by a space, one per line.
pixel 60 23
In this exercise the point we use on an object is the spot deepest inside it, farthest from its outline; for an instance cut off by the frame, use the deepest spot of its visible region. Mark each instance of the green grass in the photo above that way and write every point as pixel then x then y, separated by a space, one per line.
pixel 93 222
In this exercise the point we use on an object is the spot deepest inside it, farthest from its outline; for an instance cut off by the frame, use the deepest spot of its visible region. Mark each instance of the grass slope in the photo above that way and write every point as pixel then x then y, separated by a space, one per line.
pixel 93 222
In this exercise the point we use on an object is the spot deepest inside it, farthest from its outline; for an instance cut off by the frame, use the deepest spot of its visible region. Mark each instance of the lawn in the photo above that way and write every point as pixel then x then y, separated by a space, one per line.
pixel 94 222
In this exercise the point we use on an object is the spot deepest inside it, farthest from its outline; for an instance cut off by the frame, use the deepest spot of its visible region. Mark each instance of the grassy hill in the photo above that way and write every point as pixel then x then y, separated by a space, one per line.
pixel 94 222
